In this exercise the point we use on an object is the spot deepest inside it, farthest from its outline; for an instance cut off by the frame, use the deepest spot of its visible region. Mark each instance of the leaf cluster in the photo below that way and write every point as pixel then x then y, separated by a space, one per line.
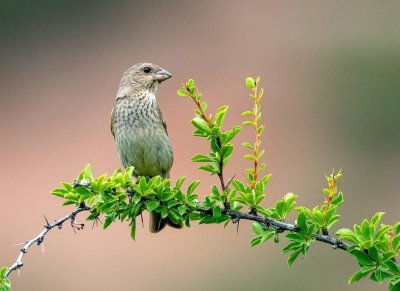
pixel 123 198
pixel 375 247
pixel 325 216
pixel 210 127
pixel 5 283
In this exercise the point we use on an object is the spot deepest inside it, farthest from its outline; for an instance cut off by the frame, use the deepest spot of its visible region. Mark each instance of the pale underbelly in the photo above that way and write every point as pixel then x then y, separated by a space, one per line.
pixel 149 151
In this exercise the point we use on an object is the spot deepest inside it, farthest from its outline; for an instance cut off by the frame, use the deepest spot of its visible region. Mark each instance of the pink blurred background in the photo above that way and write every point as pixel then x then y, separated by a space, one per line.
pixel 331 73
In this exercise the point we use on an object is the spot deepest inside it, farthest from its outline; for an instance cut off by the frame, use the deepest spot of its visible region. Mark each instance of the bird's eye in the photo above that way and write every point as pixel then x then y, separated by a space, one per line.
pixel 147 70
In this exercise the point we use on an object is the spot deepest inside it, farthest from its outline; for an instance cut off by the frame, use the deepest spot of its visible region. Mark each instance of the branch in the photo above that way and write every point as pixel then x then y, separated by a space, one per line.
pixel 283 226
pixel 40 237
pixel 235 217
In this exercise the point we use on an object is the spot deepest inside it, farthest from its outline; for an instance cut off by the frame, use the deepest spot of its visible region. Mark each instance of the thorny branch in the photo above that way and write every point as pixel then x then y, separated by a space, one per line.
pixel 236 216
pixel 282 226
pixel 38 240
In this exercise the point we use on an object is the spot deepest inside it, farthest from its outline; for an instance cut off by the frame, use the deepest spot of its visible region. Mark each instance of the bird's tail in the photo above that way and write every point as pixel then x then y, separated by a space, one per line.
pixel 157 223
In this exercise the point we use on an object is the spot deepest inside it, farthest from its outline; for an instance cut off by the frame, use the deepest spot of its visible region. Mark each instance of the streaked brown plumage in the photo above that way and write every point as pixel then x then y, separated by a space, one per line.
pixel 139 128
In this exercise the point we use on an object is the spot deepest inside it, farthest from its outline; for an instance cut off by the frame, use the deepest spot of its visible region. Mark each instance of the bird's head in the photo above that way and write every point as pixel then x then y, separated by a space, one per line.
pixel 142 77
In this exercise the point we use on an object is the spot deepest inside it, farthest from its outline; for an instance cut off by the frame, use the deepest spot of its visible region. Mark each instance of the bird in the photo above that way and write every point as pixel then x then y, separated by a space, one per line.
pixel 140 129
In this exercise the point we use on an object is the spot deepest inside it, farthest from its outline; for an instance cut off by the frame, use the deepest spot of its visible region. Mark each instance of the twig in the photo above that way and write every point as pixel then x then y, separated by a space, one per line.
pixel 281 226
pixel 40 237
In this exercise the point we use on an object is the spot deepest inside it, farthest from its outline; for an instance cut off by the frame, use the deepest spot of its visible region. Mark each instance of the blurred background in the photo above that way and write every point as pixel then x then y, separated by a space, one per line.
pixel 331 73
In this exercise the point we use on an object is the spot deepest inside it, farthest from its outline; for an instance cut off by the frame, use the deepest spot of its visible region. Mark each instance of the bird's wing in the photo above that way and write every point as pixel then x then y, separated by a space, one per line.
pixel 112 121
pixel 164 123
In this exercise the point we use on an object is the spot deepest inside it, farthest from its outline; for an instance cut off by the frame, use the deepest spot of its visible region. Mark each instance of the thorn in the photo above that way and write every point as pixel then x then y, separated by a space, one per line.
pixel 230 180
pixel 96 222
pixel 19 244
pixel 47 225
pixel 40 240
pixel 235 219
pixel 237 228
pixel 77 226
pixel 42 248
pixel 141 217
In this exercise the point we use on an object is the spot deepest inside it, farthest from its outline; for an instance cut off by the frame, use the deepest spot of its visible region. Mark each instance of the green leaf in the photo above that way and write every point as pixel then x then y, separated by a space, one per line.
pixel 255 241
pixel 250 83
pixel 247 145
pixel 216 212
pixel 58 192
pixel 220 115
pixel 208 168
pixel 347 234
pixel 367 269
pixel 376 219
pixel 226 150
pixel 249 157
pixel 203 106
pixel 87 173
pixel 293 257
pixel 338 199
pixel 258 228
pixel 193 187
pixel 167 195
pixel 67 186
pixel 396 242
pixel 200 124
pixel 175 216
pixel 366 229
pixel 136 198
pixel 142 185
pixel 268 234
pixel 182 93
pixel 152 205
pixel 362 258
pixel 293 236
pixel 190 83
pixel 182 209
pixel 201 158
pixel 294 245
pixel 301 221
pixel 373 254
pixel 357 277
pixel 83 191
pixel 3 271
pixel 164 212
pixel 109 219
pixel 230 134
pixel 247 113
pixel 180 182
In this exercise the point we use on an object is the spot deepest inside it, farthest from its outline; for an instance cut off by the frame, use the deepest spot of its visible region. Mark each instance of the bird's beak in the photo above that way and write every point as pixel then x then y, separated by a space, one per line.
pixel 163 75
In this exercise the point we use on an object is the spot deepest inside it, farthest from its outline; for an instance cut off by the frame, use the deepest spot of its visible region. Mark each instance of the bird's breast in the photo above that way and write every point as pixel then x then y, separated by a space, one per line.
pixel 141 138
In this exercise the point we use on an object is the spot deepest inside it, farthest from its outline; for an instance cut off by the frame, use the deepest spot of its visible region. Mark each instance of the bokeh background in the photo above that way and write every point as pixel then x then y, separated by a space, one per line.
pixel 331 72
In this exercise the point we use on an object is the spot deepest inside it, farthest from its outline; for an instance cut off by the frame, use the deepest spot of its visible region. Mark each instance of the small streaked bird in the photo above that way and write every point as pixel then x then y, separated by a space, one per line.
pixel 139 127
